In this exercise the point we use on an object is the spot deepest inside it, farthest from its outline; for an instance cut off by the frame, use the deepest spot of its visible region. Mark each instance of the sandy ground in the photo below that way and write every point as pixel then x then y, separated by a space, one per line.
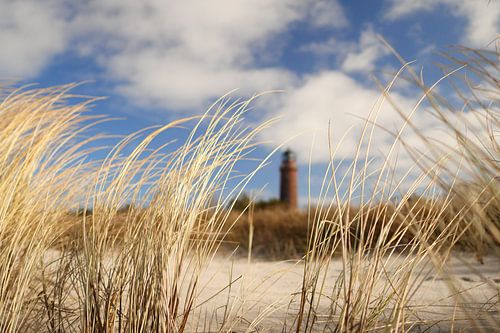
pixel 265 296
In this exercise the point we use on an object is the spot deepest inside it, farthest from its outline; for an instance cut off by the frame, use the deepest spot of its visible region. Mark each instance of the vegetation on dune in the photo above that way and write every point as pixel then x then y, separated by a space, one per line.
pixel 105 268
pixel 364 297
pixel 280 233
pixel 44 175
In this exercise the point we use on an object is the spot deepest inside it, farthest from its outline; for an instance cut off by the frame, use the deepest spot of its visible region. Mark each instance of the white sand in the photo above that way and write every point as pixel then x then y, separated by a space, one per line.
pixel 266 293
pixel 265 296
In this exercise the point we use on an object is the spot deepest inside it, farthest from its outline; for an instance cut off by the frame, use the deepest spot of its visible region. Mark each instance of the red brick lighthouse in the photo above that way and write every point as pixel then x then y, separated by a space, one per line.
pixel 288 181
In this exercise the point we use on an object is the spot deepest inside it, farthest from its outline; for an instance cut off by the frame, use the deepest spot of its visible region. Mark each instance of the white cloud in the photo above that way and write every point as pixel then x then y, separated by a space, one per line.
pixel 181 84
pixel 332 46
pixel 400 8
pixel 31 33
pixel 180 55
pixel 360 56
pixel 369 50
pixel 327 13
pixel 331 96
pixel 175 54
pixel 483 19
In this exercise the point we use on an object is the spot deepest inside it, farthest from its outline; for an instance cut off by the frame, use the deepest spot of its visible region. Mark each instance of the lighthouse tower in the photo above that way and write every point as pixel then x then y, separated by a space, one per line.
pixel 288 181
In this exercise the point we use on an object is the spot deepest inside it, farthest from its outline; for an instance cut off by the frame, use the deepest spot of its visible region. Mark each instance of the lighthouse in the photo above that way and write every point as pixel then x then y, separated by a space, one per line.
pixel 288 180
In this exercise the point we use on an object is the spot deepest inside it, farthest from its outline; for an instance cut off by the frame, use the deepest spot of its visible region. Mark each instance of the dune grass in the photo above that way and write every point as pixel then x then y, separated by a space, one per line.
pixel 279 233
pixel 104 268
pixel 457 203
pixel 150 283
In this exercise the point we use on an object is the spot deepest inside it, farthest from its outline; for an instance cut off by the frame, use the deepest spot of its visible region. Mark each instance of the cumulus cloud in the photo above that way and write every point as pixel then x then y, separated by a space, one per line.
pixel 31 33
pixel 327 13
pixel 180 84
pixel 331 46
pixel 360 56
pixel 332 99
pixel 369 50
pixel 483 21
pixel 180 55
pixel 175 54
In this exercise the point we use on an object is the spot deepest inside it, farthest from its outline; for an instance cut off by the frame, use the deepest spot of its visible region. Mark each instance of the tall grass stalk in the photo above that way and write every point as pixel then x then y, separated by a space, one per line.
pixel 385 248
pixel 72 258
pixel 42 174
pixel 149 280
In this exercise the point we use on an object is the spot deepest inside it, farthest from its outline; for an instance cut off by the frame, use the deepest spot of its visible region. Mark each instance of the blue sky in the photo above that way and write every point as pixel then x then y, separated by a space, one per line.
pixel 158 60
